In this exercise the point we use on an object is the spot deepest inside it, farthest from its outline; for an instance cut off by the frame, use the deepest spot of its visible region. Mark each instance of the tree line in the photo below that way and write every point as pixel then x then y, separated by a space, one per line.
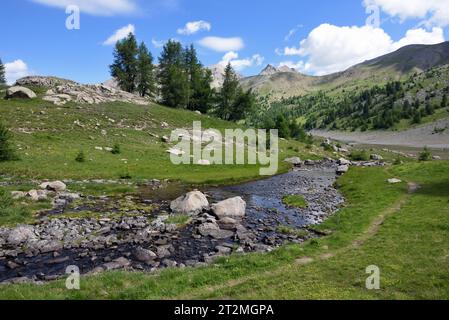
pixel 179 80
pixel 2 74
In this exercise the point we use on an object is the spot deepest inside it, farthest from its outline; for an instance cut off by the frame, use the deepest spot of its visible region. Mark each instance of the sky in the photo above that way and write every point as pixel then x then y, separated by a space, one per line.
pixel 44 37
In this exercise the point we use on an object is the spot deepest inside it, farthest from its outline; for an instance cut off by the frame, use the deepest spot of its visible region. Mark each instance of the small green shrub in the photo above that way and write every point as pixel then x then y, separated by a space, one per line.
pixel 425 155
pixel 6 151
pixel 116 149
pixel 359 155
pixel 80 157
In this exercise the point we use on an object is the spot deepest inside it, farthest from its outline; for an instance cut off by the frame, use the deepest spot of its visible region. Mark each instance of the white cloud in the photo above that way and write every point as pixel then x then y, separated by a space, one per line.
pixel 222 44
pixel 95 7
pixel 157 43
pixel 330 48
pixel 240 64
pixel 292 32
pixel 300 65
pixel 120 34
pixel 16 70
pixel 194 27
pixel 433 12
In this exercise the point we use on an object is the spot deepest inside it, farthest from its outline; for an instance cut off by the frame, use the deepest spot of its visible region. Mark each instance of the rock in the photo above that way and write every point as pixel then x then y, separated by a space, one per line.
pixel 213 230
pixel 192 203
pixel 46 246
pixel 394 181
pixel 20 235
pixel 223 250
pixel 309 162
pixel 342 169
pixel 175 152
pixel 164 251
pixel 344 162
pixel 296 161
pixel 144 255
pixel 227 223
pixel 165 139
pixel 376 157
pixel 117 264
pixel 37 195
pixel 20 92
pixel 57 186
pixel 18 195
pixel 231 208
pixel 436 158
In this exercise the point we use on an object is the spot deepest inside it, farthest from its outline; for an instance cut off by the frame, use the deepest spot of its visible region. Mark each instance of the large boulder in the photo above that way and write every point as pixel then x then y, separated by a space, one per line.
pixel 344 162
pixel 57 186
pixel 296 161
pixel 231 208
pixel 20 92
pixel 342 169
pixel 192 203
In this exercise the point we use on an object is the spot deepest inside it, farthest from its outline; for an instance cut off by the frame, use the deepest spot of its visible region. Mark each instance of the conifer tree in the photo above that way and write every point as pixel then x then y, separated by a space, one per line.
pixel 2 74
pixel 125 66
pixel 145 72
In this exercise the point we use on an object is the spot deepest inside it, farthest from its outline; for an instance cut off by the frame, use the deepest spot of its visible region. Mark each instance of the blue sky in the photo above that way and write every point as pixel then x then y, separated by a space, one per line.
pixel 324 35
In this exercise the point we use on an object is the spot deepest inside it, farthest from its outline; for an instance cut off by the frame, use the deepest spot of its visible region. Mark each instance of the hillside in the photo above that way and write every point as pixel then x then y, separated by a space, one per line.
pixel 394 66
pixel 49 135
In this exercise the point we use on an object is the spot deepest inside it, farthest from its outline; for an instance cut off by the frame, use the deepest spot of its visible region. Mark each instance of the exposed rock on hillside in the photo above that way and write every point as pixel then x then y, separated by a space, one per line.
pixel 61 91
pixel 20 92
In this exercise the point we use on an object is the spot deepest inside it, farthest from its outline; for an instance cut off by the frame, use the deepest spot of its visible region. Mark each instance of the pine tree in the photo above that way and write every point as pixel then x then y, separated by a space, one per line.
pixel 125 66
pixel 145 72
pixel 6 151
pixel 200 93
pixel 173 78
pixel 228 94
pixel 2 74
pixel 283 126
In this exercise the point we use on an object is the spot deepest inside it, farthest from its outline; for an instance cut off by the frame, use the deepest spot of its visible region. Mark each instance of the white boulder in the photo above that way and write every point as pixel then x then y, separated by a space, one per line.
pixel 192 203
pixel 232 208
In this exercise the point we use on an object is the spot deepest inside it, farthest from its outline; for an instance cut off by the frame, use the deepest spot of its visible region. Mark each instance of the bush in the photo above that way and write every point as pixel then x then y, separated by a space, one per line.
pixel 116 149
pixel 80 157
pixel 359 155
pixel 6 151
pixel 425 155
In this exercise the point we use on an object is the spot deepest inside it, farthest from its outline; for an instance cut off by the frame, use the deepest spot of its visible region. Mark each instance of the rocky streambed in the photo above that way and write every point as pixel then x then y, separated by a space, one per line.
pixel 145 231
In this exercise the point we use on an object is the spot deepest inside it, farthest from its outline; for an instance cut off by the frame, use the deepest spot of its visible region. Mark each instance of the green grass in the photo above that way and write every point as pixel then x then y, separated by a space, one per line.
pixel 287 230
pixel 179 219
pixel 410 248
pixel 49 139
pixel 296 201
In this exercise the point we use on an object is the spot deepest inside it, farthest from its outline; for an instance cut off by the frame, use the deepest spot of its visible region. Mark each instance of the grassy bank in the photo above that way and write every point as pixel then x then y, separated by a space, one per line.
pixel 48 140
pixel 405 234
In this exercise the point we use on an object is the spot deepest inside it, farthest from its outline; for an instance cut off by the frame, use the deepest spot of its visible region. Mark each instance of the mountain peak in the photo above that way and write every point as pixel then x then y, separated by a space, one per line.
pixel 269 70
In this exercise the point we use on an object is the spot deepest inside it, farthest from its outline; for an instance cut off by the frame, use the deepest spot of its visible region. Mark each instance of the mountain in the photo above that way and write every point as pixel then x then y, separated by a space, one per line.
pixel 218 71
pixel 393 66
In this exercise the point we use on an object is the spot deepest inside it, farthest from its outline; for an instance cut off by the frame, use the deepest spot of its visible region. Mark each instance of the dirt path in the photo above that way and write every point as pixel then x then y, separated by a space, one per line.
pixel 369 233
pixel 417 137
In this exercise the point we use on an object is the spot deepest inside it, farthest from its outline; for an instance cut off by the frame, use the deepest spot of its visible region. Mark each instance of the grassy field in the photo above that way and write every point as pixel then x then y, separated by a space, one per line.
pixel 49 138
pixel 402 229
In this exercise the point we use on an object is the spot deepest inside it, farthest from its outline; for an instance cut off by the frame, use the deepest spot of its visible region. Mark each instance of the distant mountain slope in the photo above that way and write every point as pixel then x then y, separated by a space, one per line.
pixel 392 66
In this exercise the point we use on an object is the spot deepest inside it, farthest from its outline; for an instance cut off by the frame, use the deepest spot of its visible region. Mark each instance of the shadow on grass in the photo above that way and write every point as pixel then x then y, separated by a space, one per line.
pixel 436 189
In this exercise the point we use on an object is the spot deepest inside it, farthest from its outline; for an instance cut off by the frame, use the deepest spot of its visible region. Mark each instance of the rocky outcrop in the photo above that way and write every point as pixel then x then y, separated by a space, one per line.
pixel 61 91
pixel 20 92
pixel 296 161
pixel 192 203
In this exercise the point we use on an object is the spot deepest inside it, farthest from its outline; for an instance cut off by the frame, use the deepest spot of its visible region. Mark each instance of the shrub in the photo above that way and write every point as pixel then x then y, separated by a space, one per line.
pixel 425 155
pixel 80 157
pixel 359 155
pixel 6 151
pixel 116 149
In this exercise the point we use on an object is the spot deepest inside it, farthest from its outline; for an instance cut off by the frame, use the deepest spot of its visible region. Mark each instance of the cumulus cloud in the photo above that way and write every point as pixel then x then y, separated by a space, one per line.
pixel 433 12
pixel 240 64
pixel 120 34
pixel 330 48
pixel 16 70
pixel 194 27
pixel 95 7
pixel 222 44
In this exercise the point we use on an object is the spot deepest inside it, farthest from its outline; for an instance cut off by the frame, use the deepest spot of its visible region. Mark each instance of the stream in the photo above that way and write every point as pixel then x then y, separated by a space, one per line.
pixel 133 232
